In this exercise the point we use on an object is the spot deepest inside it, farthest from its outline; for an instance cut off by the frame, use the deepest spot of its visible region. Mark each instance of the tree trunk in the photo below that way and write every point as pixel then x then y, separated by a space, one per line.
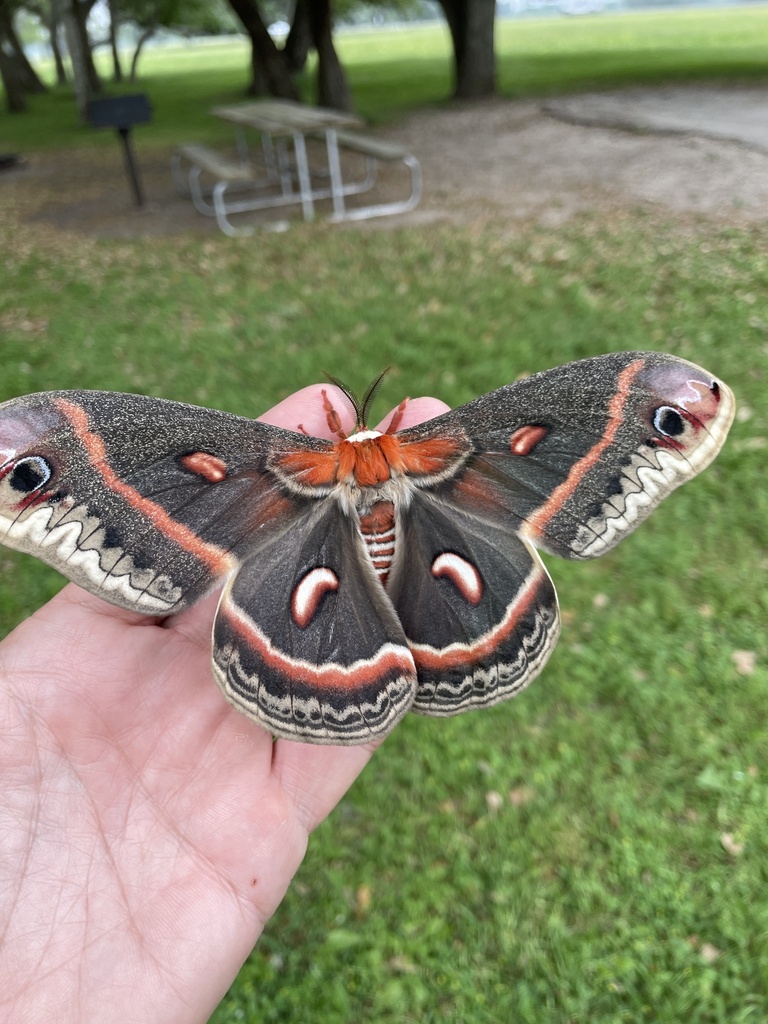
pixel 80 10
pixel 145 36
pixel 332 87
pixel 471 24
pixel 53 24
pixel 299 41
pixel 77 56
pixel 15 100
pixel 22 70
pixel 270 71
pixel 117 71
pixel 259 83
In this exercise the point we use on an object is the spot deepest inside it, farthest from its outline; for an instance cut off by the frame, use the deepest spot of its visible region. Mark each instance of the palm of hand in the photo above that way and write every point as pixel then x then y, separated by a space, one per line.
pixel 148 830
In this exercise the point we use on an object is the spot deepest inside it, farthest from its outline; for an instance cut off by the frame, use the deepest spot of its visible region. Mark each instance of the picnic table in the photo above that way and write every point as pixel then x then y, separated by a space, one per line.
pixel 284 176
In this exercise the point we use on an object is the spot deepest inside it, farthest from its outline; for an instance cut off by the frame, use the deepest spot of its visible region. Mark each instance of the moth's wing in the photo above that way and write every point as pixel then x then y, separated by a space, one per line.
pixel 306 641
pixel 145 502
pixel 576 457
pixel 149 503
pixel 478 607
pixel 571 460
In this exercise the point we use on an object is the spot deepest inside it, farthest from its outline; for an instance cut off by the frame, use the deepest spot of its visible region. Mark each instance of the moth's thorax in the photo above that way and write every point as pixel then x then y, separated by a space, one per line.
pixel 370 467
pixel 363 435
pixel 367 459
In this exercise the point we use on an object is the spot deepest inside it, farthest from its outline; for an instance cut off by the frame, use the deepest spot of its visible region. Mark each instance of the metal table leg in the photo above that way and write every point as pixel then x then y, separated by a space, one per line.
pixel 334 167
pixel 305 181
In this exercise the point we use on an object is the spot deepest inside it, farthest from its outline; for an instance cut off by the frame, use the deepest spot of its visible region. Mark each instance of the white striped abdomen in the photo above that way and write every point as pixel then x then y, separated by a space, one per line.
pixel 378 530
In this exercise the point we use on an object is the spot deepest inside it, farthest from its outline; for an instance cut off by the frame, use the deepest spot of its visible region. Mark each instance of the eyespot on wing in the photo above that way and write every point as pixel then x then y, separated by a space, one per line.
pixel 689 410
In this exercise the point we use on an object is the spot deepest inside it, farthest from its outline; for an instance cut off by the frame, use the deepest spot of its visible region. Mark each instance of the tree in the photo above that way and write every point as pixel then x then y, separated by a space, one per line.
pixel 18 76
pixel 85 77
pixel 273 68
pixel 50 15
pixel 471 24
pixel 299 40
pixel 269 69
pixel 200 17
pixel 15 97
pixel 332 87
pixel 114 24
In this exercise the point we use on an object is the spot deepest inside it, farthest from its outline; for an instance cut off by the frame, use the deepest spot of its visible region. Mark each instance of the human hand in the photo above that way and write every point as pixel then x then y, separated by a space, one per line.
pixel 147 830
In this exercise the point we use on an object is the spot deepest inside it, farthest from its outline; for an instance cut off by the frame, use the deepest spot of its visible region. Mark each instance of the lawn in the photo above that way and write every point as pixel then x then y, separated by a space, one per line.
pixel 595 850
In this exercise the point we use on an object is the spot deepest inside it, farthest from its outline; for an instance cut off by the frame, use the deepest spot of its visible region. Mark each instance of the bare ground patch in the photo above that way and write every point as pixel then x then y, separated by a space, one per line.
pixel 504 161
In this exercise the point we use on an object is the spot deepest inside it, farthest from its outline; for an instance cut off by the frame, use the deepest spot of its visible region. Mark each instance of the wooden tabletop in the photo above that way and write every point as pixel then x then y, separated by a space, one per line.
pixel 283 117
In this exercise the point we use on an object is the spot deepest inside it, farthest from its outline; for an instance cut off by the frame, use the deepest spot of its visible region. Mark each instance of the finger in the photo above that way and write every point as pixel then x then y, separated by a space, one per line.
pixel 416 411
pixel 74 598
pixel 307 412
pixel 317 777
pixel 196 623
pixel 308 409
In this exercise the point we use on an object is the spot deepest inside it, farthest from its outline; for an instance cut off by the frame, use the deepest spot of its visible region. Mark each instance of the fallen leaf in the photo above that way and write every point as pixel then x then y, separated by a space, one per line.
pixel 362 900
pixel 730 845
pixel 402 964
pixel 709 953
pixel 706 950
pixel 750 444
pixel 494 801
pixel 521 795
pixel 744 662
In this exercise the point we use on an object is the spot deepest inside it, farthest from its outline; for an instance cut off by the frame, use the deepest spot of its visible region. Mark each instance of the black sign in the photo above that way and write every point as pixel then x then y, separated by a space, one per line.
pixel 120 111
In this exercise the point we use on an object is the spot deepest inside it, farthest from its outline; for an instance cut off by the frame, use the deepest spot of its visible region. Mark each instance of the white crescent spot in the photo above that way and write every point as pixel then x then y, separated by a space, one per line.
pixel 309 592
pixel 461 573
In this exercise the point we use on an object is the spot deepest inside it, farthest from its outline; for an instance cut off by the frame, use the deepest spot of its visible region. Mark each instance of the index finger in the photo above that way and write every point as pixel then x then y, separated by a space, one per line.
pixel 307 410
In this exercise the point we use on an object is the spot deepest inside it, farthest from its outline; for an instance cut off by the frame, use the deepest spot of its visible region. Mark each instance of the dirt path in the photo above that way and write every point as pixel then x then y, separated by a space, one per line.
pixel 517 162
pixel 504 160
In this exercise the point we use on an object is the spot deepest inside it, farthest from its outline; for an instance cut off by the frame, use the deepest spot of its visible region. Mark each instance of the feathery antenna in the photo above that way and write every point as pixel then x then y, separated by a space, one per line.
pixel 360 405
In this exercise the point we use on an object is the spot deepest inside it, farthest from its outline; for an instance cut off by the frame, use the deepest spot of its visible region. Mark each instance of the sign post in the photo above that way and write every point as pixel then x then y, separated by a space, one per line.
pixel 122 113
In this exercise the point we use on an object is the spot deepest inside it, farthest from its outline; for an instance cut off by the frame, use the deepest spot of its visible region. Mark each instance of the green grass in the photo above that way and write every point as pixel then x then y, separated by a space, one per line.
pixel 599 888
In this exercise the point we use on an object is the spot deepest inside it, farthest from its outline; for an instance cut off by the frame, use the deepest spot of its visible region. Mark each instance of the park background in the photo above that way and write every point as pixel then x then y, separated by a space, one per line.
pixel 596 849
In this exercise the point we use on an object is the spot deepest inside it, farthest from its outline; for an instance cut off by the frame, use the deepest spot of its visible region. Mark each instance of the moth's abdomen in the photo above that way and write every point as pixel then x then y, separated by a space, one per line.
pixel 378 529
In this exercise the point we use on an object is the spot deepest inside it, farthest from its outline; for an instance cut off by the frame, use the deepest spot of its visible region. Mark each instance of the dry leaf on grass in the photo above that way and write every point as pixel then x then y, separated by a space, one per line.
pixel 362 900
pixel 709 953
pixel 730 845
pixel 521 795
pixel 494 801
pixel 744 662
